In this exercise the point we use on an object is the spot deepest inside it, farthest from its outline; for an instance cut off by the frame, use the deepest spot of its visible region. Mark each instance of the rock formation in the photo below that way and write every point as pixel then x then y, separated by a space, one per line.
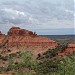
pixel 69 50
pixel 21 38
pixel 16 31
pixel 1 33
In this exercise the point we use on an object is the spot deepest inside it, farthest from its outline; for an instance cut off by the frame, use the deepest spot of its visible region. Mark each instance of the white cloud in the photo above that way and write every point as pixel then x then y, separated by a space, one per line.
pixel 34 14
pixel 30 18
pixel 14 12
pixel 55 24
pixel 69 11
pixel 13 16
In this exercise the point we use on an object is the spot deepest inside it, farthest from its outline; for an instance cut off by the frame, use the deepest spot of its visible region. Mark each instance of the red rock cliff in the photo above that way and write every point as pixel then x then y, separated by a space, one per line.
pixel 69 50
pixel 21 37
pixel 16 31
pixel 1 33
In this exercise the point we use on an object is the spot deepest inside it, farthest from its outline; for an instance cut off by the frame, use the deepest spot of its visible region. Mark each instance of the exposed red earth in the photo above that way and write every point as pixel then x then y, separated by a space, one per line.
pixel 18 38
pixel 69 50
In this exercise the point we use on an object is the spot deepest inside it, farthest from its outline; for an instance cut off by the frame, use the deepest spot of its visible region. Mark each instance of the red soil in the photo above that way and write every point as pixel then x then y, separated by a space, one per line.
pixel 19 38
pixel 69 50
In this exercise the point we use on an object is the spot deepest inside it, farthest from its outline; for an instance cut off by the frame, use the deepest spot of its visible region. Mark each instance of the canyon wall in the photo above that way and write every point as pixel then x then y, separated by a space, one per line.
pixel 18 37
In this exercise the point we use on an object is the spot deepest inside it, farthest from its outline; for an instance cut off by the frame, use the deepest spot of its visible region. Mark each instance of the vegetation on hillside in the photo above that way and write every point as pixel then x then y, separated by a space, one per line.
pixel 53 52
pixel 48 66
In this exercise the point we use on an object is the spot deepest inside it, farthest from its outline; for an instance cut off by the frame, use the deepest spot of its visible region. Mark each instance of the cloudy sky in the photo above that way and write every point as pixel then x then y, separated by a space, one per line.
pixel 53 17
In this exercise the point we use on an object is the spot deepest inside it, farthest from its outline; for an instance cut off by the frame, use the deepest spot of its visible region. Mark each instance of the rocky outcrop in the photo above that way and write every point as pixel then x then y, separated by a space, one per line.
pixel 13 31
pixel 1 33
pixel 31 41
pixel 18 38
pixel 16 31
pixel 69 50
pixel 21 38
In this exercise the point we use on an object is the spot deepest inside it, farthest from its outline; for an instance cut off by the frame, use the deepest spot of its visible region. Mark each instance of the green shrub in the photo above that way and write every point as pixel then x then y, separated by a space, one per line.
pixel 53 52
pixel 47 66
pixel 4 58
pixel 23 74
pixel 2 69
pixel 51 66
pixel 10 66
pixel 67 66
pixel 28 60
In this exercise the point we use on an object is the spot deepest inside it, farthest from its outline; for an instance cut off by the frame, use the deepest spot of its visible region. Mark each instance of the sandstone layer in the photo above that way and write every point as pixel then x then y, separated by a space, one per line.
pixel 20 38
pixel 69 50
